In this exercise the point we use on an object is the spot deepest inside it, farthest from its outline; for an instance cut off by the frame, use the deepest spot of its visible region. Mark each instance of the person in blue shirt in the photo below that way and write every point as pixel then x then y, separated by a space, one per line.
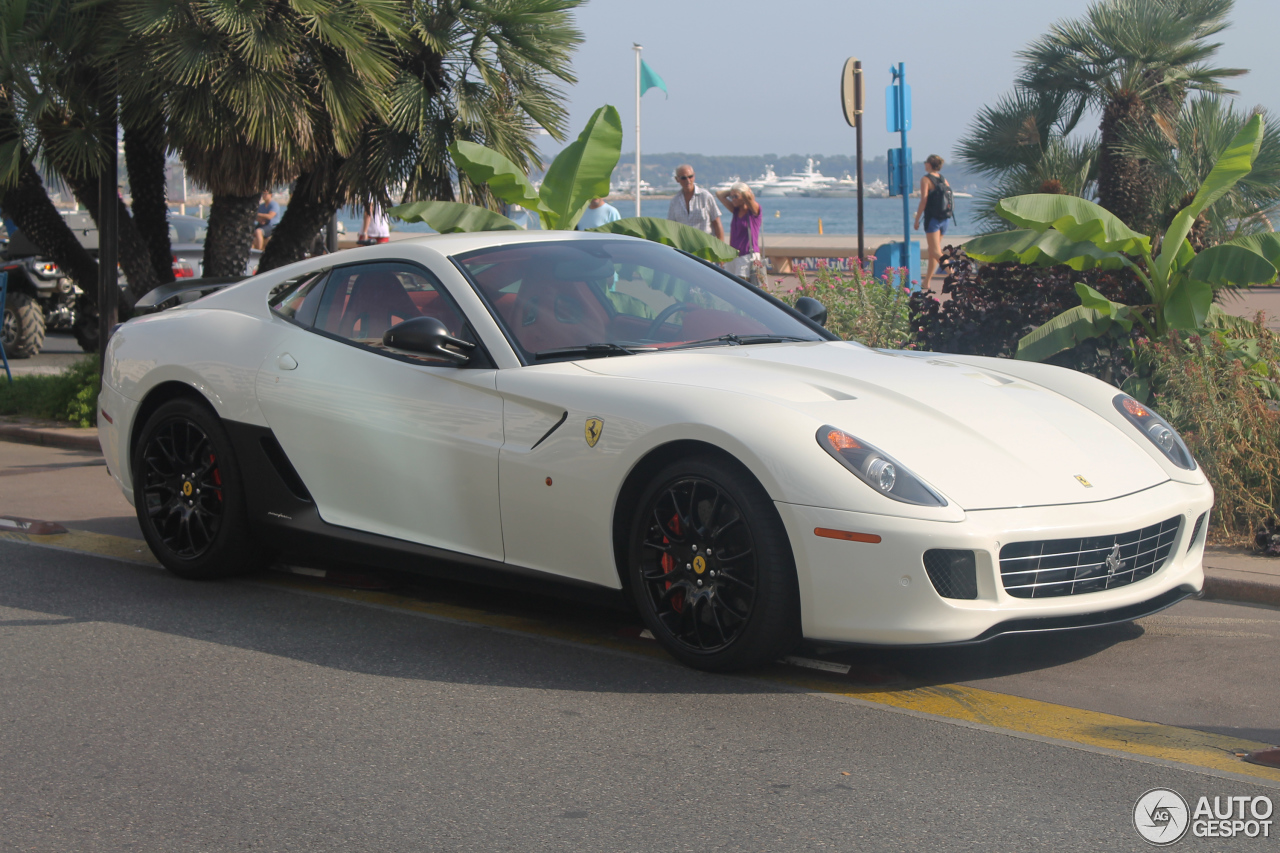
pixel 266 219
pixel 598 213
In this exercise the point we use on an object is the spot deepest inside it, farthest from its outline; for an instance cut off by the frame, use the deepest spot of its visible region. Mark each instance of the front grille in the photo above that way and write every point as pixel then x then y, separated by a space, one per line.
pixel 1055 567
pixel 954 574
pixel 1195 531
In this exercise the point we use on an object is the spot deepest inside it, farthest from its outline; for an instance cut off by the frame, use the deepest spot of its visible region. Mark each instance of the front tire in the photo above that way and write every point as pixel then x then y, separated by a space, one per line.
pixel 22 330
pixel 189 495
pixel 711 568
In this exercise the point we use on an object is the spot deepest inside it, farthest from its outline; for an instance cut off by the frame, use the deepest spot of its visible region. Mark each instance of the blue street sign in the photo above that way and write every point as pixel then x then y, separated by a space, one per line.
pixel 892 122
pixel 900 172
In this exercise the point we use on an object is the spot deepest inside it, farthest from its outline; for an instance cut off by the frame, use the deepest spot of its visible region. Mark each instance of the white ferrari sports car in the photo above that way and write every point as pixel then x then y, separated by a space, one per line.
pixel 615 416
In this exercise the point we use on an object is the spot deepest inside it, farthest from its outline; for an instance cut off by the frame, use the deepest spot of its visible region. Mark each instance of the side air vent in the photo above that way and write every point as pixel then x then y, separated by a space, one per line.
pixel 1195 531
pixel 283 467
pixel 954 574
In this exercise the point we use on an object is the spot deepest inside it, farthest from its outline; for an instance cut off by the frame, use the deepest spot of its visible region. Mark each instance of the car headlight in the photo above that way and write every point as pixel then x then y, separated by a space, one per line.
pixel 877 469
pixel 1157 431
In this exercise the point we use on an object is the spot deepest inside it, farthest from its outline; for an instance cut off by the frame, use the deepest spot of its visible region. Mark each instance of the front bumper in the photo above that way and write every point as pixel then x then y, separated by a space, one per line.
pixel 858 592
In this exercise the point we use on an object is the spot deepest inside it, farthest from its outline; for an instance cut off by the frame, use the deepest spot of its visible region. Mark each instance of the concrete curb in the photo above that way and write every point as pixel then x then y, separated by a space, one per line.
pixel 69 437
pixel 1234 589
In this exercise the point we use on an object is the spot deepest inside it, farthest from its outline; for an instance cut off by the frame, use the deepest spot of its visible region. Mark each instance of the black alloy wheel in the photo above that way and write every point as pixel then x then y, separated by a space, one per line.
pixel 711 568
pixel 188 495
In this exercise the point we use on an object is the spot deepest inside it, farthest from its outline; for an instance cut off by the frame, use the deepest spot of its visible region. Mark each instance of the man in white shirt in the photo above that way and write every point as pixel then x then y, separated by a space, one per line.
pixel 598 213
pixel 695 206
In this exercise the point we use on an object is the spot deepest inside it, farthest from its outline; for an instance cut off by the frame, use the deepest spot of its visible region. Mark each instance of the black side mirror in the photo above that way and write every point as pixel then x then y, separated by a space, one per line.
pixel 813 309
pixel 429 336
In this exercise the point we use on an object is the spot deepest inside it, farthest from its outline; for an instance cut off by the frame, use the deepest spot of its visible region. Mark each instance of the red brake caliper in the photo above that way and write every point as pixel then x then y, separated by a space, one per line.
pixel 669 566
pixel 217 476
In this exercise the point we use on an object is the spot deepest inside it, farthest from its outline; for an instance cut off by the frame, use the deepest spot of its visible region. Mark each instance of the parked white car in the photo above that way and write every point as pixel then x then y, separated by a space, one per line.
pixel 612 415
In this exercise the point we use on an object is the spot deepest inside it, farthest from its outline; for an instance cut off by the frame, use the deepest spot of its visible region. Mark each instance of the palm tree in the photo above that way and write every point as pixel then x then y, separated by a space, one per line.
pixel 477 71
pixel 1021 144
pixel 1180 155
pixel 58 74
pixel 252 92
pixel 1134 61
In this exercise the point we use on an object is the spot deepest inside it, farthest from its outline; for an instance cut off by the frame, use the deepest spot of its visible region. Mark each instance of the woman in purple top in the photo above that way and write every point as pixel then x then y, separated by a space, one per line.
pixel 744 232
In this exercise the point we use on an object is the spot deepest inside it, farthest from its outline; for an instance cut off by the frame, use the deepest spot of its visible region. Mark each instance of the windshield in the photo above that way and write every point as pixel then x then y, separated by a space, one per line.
pixel 575 298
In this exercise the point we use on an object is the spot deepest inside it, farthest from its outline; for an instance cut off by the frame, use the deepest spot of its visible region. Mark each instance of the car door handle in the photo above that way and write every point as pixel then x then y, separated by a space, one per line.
pixel 286 362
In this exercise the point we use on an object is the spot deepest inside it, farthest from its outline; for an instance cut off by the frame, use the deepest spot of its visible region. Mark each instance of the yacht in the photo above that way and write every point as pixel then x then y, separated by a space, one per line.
pixel 797 183
pixel 876 189
pixel 769 177
pixel 626 188
pixel 846 187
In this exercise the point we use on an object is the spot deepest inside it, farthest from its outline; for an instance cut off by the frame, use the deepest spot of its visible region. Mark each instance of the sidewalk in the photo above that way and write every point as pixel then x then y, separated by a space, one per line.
pixel 56 473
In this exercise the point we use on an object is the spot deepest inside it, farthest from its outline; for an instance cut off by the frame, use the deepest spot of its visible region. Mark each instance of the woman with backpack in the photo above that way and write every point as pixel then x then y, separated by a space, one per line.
pixel 937 206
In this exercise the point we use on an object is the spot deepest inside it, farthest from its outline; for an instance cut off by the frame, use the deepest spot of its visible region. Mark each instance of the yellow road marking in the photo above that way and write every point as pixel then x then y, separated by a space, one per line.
pixel 946 701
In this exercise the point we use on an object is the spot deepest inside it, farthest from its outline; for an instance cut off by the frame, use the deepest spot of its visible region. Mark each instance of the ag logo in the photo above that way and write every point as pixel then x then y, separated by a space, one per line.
pixel 186 488
pixel 1084 482
pixel 699 564
pixel 1161 816
pixel 594 428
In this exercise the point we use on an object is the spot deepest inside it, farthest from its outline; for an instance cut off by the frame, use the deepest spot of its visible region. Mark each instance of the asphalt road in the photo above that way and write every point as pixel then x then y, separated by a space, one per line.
pixel 142 712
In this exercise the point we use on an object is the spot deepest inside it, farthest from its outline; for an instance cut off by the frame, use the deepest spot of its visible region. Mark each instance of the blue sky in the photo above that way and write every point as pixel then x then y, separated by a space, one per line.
pixel 762 76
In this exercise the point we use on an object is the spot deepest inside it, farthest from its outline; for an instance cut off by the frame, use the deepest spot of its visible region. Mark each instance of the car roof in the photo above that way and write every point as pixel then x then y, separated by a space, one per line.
pixel 456 244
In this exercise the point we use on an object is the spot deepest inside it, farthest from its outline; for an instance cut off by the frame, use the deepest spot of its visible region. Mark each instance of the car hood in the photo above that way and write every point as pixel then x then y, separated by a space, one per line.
pixel 984 439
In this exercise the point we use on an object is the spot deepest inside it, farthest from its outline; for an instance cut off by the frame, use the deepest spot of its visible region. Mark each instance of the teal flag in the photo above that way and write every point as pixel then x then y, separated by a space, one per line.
pixel 649 80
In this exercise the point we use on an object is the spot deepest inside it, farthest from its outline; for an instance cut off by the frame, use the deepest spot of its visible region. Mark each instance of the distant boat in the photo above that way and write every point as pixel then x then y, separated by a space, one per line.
pixel 767 178
pixel 725 186
pixel 877 189
pixel 625 187
pixel 846 187
pixel 797 183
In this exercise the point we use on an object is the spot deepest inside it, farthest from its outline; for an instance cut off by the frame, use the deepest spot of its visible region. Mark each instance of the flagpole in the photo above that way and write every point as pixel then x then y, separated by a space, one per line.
pixel 637 48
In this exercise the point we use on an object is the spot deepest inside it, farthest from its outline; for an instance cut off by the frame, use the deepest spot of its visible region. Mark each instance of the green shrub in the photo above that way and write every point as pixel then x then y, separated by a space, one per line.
pixel 1219 393
pixel 859 306
pixel 68 396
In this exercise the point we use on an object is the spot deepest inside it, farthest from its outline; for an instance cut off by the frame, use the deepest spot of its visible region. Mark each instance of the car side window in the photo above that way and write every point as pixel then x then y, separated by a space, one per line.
pixel 361 302
pixel 298 299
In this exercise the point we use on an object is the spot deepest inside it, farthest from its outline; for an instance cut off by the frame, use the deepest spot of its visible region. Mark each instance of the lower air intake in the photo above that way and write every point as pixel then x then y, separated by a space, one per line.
pixel 954 574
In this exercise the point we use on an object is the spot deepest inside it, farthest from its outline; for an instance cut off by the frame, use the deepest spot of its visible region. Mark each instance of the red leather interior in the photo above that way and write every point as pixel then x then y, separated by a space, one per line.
pixel 378 301
pixel 550 314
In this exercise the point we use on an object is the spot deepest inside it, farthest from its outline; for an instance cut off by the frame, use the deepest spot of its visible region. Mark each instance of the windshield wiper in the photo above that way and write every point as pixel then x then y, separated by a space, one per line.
pixel 600 350
pixel 741 340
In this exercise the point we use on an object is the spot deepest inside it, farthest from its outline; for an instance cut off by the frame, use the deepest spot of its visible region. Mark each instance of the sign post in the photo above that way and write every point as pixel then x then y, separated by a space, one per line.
pixel 897 99
pixel 853 95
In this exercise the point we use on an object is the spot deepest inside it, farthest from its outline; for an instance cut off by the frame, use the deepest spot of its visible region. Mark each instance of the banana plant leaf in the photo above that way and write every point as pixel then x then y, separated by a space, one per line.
pixel 1266 244
pixel 1040 247
pixel 581 171
pixel 683 237
pixel 507 181
pixel 1234 164
pixel 1231 265
pixel 1077 219
pixel 1091 319
pixel 1188 304
pixel 451 217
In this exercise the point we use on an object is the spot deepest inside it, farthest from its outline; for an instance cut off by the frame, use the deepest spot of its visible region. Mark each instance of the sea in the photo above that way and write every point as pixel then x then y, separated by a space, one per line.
pixel 782 215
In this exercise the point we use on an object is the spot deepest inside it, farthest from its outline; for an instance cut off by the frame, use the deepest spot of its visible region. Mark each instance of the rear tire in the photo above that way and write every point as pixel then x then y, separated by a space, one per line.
pixel 189 496
pixel 23 325
pixel 711 569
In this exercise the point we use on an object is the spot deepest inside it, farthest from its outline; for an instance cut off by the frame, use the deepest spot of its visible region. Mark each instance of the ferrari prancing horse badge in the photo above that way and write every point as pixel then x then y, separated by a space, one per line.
pixel 595 426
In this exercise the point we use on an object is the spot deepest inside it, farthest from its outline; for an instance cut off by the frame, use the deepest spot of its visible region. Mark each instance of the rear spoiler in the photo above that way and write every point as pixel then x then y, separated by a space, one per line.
pixel 180 292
